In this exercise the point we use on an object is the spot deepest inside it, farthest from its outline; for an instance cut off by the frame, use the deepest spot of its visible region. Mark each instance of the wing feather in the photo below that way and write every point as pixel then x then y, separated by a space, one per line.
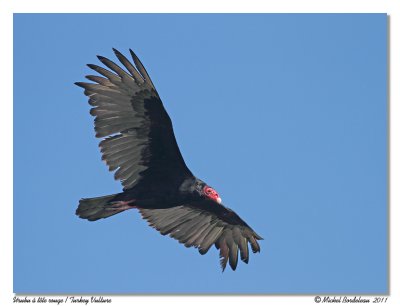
pixel 129 66
pixel 112 77
pixel 223 252
pixel 141 68
pixel 233 251
pixel 100 80
pixel 189 227
pixel 210 239
pixel 192 239
pixel 201 225
pixel 139 142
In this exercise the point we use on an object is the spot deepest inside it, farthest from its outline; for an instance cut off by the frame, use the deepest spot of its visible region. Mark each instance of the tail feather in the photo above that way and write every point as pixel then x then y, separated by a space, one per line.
pixel 94 209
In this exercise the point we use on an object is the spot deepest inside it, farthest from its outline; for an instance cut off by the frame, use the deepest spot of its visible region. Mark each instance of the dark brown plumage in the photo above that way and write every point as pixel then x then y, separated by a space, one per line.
pixel 140 146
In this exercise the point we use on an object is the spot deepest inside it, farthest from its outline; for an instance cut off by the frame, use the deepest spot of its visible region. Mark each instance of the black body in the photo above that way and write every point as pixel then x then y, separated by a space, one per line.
pixel 140 146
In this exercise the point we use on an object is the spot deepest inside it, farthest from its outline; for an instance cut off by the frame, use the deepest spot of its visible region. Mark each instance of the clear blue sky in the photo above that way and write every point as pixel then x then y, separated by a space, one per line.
pixel 285 115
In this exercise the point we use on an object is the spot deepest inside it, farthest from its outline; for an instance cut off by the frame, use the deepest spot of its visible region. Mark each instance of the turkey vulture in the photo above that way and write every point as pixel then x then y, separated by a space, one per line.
pixel 139 143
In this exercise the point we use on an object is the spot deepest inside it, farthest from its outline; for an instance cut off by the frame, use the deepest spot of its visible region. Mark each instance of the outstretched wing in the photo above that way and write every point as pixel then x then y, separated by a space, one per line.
pixel 140 143
pixel 203 224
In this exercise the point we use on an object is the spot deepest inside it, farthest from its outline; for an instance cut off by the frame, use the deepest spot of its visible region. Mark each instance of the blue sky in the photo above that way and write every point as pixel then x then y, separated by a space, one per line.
pixel 285 115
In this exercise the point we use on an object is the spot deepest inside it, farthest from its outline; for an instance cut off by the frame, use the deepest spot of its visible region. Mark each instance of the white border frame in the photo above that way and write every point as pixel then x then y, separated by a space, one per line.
pixel 8 7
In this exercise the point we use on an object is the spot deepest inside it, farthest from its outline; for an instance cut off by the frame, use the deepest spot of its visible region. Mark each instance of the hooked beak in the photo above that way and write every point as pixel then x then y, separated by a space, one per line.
pixel 219 200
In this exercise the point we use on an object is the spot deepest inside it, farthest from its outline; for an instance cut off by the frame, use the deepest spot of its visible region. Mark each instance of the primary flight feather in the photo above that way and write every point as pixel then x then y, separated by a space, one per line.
pixel 140 146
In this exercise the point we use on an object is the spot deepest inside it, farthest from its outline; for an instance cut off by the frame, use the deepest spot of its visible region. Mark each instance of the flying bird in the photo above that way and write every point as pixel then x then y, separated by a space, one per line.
pixel 139 144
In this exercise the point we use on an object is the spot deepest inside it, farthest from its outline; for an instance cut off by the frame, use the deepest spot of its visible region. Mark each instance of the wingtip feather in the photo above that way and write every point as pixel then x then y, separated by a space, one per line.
pixel 116 51
pixel 132 53
pixel 80 84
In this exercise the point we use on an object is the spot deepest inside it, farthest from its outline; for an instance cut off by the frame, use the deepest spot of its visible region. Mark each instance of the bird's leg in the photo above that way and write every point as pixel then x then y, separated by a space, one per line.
pixel 121 205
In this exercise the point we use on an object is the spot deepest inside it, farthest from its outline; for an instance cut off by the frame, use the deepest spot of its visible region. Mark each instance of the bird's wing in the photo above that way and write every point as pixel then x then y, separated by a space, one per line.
pixel 203 224
pixel 140 143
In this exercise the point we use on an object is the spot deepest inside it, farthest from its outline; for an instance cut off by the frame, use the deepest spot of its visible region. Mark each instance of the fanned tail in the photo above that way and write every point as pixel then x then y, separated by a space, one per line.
pixel 94 209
